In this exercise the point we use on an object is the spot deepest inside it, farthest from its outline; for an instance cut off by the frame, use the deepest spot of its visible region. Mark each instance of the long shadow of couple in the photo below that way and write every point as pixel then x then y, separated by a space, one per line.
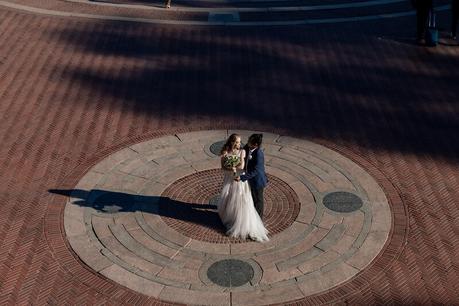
pixel 104 201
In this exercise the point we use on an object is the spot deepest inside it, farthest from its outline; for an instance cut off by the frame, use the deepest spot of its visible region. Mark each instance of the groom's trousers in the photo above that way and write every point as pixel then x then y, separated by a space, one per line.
pixel 257 195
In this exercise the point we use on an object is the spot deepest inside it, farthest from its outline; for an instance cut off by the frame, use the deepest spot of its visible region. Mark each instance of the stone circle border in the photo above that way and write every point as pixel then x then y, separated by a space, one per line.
pixel 391 250
pixel 144 170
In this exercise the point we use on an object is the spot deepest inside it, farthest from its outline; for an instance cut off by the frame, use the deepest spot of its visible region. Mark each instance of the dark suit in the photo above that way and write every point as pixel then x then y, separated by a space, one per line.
pixel 255 174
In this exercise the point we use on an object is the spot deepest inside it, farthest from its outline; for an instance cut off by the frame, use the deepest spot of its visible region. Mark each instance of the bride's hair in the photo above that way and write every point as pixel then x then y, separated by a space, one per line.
pixel 230 143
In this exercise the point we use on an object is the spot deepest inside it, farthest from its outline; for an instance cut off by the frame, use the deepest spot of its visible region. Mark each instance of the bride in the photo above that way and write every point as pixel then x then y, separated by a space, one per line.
pixel 235 207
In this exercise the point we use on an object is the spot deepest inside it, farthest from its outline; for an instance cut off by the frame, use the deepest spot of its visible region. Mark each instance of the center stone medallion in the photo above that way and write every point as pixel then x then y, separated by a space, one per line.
pixel 185 206
pixel 146 218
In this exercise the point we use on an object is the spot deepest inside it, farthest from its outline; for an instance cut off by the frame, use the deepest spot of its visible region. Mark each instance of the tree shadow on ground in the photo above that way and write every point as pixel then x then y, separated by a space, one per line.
pixel 321 82
pixel 110 202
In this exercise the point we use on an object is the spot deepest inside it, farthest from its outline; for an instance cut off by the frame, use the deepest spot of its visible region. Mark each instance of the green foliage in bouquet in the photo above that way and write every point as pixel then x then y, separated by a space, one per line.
pixel 231 161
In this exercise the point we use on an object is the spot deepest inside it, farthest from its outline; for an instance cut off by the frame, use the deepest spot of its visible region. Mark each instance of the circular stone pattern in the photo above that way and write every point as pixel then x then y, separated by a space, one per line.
pixel 230 273
pixel 145 217
pixel 342 202
pixel 185 206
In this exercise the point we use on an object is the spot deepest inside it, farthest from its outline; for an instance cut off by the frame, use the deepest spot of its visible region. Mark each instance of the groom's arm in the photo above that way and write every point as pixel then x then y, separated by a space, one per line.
pixel 258 167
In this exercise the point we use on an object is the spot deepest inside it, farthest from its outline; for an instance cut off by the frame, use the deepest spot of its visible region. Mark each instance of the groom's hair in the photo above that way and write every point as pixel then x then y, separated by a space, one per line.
pixel 256 139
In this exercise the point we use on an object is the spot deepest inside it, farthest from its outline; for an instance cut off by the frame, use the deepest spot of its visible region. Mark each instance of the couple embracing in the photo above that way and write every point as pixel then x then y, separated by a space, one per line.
pixel 241 202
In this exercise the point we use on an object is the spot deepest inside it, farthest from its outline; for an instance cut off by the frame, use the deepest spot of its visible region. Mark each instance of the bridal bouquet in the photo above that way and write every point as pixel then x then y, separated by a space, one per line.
pixel 231 161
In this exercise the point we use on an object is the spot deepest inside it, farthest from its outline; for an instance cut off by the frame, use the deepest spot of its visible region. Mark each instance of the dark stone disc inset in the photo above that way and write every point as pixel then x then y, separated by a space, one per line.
pixel 342 202
pixel 230 273
pixel 216 147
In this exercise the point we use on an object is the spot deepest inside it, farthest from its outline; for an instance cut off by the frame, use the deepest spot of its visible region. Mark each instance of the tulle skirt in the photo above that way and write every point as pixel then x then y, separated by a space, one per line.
pixel 237 211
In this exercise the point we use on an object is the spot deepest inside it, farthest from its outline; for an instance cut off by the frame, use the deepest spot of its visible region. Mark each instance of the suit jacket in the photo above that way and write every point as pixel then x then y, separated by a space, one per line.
pixel 255 169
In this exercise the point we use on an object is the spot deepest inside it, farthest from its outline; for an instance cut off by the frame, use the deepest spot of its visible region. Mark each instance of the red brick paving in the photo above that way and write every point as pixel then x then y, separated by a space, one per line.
pixel 281 207
pixel 72 91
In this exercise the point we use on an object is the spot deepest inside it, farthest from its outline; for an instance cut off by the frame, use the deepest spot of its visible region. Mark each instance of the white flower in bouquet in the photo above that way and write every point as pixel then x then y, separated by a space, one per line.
pixel 231 161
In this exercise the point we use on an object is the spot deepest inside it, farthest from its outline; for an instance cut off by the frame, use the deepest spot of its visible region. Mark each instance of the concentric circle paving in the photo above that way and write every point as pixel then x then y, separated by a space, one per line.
pixel 142 217
pixel 185 206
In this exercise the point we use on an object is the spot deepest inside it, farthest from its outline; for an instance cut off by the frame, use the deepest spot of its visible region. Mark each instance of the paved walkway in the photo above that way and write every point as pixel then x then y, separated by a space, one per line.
pixel 109 182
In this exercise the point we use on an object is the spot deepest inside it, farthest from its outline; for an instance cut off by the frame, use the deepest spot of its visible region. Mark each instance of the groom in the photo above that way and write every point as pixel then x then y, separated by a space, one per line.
pixel 255 170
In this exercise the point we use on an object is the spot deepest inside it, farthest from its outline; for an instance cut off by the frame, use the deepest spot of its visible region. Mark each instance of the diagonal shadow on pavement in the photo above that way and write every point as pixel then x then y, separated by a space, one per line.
pixel 330 83
pixel 109 202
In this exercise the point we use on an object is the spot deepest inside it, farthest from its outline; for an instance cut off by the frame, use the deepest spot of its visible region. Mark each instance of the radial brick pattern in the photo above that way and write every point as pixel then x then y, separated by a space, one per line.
pixel 142 218
pixel 281 206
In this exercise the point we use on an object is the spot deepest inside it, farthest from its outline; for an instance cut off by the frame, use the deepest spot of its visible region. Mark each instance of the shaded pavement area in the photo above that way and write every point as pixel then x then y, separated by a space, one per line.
pixel 73 91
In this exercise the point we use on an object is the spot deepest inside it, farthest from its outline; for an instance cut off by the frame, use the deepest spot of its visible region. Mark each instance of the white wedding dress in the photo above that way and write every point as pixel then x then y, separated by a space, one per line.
pixel 237 211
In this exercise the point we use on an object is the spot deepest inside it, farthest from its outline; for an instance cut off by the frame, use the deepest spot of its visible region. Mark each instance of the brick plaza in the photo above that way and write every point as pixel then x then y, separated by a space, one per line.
pixel 108 109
